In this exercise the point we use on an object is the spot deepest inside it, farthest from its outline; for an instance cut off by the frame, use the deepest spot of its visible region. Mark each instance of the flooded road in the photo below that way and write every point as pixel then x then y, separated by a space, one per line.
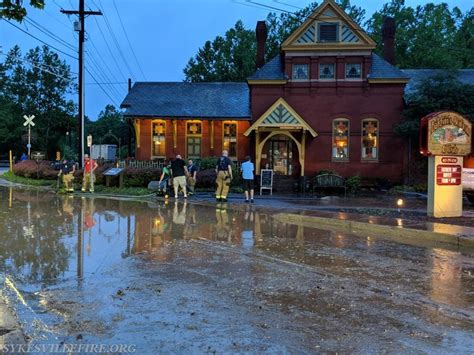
pixel 181 277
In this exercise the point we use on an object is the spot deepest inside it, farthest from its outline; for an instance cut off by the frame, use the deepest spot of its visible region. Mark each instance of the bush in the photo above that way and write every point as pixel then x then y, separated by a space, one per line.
pixel 140 177
pixel 206 178
pixel 353 183
pixel 207 163
pixel 31 169
pixel 326 171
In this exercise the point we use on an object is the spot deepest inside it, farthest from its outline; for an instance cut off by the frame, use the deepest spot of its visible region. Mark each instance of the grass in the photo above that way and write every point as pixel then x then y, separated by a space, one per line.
pixel 27 181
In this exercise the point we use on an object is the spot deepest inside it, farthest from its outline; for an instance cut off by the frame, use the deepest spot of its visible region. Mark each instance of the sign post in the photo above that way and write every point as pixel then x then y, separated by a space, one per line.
pixel 29 122
pixel 445 137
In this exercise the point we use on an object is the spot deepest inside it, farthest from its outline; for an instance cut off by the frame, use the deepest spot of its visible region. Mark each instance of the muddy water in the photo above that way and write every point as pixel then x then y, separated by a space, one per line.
pixel 182 277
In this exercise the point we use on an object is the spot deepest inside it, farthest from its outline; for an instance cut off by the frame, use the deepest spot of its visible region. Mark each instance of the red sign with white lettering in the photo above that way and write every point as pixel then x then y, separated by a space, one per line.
pixel 448 174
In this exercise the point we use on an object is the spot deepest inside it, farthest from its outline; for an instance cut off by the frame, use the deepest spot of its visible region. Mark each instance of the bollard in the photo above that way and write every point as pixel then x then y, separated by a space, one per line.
pixel 11 162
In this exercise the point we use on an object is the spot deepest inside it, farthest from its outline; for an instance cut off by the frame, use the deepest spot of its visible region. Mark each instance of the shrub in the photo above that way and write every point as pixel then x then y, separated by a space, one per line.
pixel 31 169
pixel 353 183
pixel 326 171
pixel 207 163
pixel 140 177
pixel 206 178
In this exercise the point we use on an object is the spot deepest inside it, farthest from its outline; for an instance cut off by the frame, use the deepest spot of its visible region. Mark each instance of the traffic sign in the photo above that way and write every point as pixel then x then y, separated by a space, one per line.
pixel 29 120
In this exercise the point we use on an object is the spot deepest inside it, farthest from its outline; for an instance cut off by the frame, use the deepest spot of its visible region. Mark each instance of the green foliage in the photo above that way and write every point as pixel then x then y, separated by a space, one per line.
pixel 207 163
pixel 14 9
pixel 35 84
pixel 437 93
pixel 353 183
pixel 27 181
pixel 140 177
pixel 110 128
pixel 232 57
pixel 428 36
pixel 325 171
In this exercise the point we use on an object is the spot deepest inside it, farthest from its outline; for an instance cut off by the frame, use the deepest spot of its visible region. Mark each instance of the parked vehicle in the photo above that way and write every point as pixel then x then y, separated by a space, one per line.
pixel 468 177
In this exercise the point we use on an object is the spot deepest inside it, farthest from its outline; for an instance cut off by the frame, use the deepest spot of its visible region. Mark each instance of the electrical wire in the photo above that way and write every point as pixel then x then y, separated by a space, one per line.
pixel 38 39
pixel 128 41
pixel 50 34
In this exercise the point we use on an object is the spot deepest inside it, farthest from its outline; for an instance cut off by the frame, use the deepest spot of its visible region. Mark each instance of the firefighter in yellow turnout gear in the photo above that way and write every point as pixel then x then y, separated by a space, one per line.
pixel 224 176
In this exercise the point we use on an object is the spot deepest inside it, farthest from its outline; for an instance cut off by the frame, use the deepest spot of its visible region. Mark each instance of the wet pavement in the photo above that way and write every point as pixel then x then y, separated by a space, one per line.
pixel 206 277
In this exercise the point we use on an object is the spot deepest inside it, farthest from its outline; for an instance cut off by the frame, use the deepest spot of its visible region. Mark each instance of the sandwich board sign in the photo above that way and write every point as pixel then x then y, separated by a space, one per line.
pixel 266 180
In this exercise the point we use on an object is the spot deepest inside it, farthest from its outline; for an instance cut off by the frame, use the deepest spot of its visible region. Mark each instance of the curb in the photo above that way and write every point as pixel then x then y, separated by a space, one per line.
pixel 395 233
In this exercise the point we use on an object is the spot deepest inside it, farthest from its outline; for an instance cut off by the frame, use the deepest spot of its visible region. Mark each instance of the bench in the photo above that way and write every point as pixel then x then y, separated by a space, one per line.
pixel 329 181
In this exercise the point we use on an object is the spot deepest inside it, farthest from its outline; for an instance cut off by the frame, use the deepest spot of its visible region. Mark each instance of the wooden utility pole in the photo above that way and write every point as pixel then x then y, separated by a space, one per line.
pixel 81 29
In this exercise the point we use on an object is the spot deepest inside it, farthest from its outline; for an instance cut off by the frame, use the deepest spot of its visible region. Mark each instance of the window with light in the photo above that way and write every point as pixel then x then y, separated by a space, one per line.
pixel 230 138
pixel 353 71
pixel 340 139
pixel 370 139
pixel 193 139
pixel 158 139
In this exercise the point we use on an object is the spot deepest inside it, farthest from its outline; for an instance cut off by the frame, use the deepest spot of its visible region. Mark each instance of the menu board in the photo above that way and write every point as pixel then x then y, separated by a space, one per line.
pixel 266 180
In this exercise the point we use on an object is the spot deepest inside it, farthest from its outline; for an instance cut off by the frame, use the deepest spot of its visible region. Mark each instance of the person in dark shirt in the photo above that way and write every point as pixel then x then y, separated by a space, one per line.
pixel 224 176
pixel 179 171
pixel 67 170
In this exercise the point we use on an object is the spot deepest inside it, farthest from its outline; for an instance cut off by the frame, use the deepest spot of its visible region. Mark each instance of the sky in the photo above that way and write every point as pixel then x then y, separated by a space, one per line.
pixel 146 40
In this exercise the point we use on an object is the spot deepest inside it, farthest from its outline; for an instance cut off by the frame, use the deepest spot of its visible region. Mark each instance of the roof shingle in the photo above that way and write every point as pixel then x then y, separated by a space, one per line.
pixel 181 99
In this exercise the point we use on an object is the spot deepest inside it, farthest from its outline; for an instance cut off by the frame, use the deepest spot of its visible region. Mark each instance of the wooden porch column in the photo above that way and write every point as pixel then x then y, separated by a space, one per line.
pixel 175 134
pixel 136 125
pixel 258 152
pixel 302 151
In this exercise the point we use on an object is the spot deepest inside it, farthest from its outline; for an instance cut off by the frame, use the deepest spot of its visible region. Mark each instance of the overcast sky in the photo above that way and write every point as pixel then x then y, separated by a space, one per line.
pixel 163 35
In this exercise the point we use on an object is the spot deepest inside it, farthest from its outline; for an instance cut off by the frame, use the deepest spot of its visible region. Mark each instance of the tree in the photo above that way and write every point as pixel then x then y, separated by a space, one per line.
pixel 14 9
pixel 37 84
pixel 437 93
pixel 429 36
pixel 232 57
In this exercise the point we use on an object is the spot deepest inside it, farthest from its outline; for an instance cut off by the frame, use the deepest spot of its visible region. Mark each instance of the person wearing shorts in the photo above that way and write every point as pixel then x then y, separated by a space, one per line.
pixel 179 171
pixel 247 169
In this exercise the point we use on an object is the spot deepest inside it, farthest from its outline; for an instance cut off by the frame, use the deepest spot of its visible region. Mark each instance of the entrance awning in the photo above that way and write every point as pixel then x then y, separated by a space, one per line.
pixel 281 116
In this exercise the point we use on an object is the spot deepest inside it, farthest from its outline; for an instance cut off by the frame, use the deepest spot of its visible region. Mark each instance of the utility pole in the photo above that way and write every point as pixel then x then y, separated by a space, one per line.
pixel 82 14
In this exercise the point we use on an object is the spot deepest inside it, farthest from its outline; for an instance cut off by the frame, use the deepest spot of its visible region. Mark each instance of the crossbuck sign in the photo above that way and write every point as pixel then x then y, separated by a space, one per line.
pixel 29 122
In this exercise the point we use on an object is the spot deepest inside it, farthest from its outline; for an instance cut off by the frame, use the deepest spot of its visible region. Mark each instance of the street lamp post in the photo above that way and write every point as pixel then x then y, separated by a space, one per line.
pixel 29 122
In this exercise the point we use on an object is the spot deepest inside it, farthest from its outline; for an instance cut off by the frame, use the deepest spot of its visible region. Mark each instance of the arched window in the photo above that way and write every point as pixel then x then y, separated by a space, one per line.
pixel 340 139
pixel 158 141
pixel 370 139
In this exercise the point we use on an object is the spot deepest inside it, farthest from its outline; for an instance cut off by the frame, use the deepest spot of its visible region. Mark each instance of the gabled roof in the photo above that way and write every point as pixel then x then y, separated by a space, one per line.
pixel 278 115
pixel 183 100
pixel 305 36
pixel 383 70
pixel 465 76
pixel 272 70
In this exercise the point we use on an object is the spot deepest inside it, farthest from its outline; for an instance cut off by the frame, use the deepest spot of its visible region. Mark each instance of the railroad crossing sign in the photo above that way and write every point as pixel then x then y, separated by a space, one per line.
pixel 29 122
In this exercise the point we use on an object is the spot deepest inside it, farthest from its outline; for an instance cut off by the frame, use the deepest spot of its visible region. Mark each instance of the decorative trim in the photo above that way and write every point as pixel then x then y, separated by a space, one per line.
pixel 267 82
pixel 388 81
pixel 300 125
pixel 212 133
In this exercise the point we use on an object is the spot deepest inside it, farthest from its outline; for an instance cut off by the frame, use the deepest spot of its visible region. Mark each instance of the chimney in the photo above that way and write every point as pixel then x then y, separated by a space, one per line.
pixel 388 38
pixel 129 84
pixel 261 32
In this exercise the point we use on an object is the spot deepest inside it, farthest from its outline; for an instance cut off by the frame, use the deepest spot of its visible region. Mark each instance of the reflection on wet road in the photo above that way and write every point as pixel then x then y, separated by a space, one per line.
pixel 185 277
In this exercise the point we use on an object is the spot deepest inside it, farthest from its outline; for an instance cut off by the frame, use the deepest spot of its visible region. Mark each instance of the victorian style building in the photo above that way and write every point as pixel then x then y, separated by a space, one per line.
pixel 327 101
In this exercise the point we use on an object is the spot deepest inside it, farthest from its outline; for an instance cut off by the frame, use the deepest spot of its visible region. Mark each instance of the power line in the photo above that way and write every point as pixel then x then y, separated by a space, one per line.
pixel 50 34
pixel 105 92
pixel 49 45
pixel 40 67
pixel 128 41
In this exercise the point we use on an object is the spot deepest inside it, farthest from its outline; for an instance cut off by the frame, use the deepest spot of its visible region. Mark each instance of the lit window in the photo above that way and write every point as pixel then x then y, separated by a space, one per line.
pixel 193 139
pixel 353 71
pixel 158 139
pixel 326 71
pixel 230 139
pixel 370 139
pixel 300 71
pixel 340 139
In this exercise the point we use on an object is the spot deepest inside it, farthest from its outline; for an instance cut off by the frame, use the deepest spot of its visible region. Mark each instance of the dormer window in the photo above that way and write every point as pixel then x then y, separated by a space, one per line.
pixel 353 71
pixel 300 71
pixel 328 32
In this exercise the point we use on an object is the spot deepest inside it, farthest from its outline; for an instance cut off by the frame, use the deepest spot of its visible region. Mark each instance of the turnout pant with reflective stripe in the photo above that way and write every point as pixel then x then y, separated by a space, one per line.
pixel 223 184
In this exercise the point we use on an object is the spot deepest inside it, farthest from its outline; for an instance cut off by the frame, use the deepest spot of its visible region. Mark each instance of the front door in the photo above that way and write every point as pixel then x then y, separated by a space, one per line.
pixel 281 155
